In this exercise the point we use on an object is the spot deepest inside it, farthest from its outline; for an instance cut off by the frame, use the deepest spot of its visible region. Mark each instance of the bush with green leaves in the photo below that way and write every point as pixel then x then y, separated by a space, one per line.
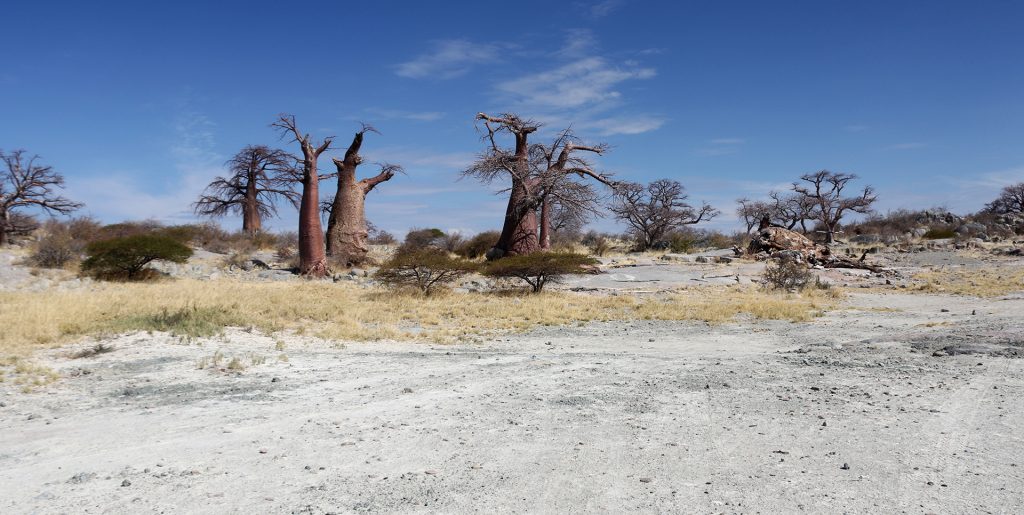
pixel 540 268
pixel 477 246
pixel 126 258
pixel 422 238
pixel 425 268
pixel 787 273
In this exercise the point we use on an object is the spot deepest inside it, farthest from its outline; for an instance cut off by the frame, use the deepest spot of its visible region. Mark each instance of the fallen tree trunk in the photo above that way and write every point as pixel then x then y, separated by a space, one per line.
pixel 772 242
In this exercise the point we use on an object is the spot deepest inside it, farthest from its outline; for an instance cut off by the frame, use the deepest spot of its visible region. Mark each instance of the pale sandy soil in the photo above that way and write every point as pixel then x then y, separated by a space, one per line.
pixel 852 412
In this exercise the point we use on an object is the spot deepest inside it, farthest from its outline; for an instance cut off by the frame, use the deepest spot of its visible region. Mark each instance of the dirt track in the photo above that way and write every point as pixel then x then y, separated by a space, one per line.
pixel 614 417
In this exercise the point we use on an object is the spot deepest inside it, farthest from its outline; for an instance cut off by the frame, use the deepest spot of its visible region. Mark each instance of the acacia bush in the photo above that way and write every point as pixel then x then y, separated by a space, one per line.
pixel 787 274
pixel 62 243
pixel 126 258
pixel 425 269
pixel 423 238
pixel 477 246
pixel 540 268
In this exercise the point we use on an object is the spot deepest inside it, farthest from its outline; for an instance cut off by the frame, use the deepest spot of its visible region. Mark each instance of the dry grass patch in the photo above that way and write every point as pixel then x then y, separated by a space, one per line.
pixel 988 282
pixel 346 312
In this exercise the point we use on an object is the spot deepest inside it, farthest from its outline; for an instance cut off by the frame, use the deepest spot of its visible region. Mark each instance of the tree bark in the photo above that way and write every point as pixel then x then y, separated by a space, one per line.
pixel 5 225
pixel 519 232
pixel 346 225
pixel 312 255
pixel 251 223
pixel 545 225
pixel 346 228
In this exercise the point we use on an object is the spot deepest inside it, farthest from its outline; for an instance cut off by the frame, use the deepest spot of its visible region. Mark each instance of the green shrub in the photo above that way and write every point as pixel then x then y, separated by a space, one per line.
pixel 422 238
pixel 681 242
pixel 477 246
pixel 423 268
pixel 539 268
pixel 939 234
pixel 787 274
pixel 125 258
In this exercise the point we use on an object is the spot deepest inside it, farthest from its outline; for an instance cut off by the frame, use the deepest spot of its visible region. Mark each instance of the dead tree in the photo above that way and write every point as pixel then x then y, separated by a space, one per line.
pixel 652 211
pixel 346 226
pixel 1010 200
pixel 25 184
pixel 825 190
pixel 791 209
pixel 259 177
pixel 559 168
pixel 751 212
pixel 312 254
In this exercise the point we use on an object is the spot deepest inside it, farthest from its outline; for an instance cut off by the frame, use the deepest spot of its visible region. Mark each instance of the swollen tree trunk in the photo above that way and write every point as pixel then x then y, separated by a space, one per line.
pixel 519 232
pixel 251 223
pixel 312 255
pixel 5 225
pixel 545 225
pixel 346 225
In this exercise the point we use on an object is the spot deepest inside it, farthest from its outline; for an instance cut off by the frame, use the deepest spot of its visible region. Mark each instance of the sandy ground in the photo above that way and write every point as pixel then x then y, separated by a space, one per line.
pixel 853 412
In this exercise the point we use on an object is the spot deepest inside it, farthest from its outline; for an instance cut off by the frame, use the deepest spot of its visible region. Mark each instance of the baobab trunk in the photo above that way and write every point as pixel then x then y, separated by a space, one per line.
pixel 5 225
pixel 519 232
pixel 251 223
pixel 545 225
pixel 312 255
pixel 346 227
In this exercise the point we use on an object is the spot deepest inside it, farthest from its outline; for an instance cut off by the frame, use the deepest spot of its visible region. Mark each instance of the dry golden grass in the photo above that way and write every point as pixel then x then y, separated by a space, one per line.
pixel 988 282
pixel 347 312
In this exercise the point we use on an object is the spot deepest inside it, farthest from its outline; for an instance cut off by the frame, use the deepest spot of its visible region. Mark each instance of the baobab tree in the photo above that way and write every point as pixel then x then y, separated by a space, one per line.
pixel 346 225
pixel 559 168
pixel 825 190
pixel 652 211
pixel 786 210
pixel 1010 200
pixel 26 184
pixel 312 254
pixel 536 173
pixel 259 177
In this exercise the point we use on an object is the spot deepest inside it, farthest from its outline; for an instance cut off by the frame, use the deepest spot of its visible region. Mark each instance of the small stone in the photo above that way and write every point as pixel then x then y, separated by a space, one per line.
pixel 275 379
pixel 846 466
pixel 431 472
pixel 646 480
pixel 406 390
pixel 943 310
pixel 263 451
pixel 126 483
pixel 824 424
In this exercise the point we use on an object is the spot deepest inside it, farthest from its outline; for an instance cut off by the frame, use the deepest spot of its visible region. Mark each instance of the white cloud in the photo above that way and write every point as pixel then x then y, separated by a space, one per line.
pixel 578 42
pixel 602 9
pixel 586 82
pixel 448 59
pixel 623 124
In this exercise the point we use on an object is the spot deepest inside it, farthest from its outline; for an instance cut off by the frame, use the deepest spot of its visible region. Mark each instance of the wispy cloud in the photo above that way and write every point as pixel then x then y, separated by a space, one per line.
pixel 582 83
pixel 602 9
pixel 122 196
pixel 578 42
pixel 626 124
pixel 907 146
pixel 448 59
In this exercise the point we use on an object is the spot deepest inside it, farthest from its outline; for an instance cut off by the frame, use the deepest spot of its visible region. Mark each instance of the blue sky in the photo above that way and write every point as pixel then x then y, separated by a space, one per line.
pixel 139 105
